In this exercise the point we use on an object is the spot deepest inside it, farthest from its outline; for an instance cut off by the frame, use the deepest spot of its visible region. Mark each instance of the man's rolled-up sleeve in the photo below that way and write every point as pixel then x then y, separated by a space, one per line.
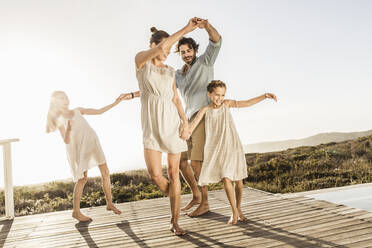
pixel 211 53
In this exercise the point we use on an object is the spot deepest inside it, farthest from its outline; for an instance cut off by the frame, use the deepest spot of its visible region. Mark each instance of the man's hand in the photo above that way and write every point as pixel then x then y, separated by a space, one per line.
pixel 203 23
pixel 193 23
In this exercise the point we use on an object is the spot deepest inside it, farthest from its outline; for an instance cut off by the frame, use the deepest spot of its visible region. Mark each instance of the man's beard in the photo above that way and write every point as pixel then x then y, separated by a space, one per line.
pixel 189 60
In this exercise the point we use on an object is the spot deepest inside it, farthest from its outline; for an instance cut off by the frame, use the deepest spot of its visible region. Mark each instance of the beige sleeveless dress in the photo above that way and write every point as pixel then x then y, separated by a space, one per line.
pixel 159 116
pixel 223 150
pixel 84 150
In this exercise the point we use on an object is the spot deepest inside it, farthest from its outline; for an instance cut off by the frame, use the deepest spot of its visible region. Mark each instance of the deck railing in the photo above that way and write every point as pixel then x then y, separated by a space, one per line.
pixel 8 177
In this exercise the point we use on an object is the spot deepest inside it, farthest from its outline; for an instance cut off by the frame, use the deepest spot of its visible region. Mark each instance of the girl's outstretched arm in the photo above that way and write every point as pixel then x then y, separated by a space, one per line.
pixel 250 102
pixel 65 133
pixel 197 119
pixel 164 46
pixel 126 96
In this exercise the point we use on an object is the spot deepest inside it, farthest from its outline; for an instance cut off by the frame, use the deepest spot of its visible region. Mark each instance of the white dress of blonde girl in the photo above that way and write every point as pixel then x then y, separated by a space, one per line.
pixel 159 116
pixel 223 150
pixel 84 150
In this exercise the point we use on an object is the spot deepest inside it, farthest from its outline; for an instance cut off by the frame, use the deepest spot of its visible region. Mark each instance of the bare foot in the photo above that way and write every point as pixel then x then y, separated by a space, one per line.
pixel 202 209
pixel 112 207
pixel 178 231
pixel 81 217
pixel 194 201
pixel 242 218
pixel 233 220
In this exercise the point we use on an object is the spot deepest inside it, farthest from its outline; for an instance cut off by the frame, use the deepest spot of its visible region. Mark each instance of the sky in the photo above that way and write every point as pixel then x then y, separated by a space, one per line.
pixel 314 55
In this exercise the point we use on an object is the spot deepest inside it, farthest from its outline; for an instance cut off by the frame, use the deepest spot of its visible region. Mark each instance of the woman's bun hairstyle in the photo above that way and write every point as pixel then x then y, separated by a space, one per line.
pixel 153 30
pixel 157 35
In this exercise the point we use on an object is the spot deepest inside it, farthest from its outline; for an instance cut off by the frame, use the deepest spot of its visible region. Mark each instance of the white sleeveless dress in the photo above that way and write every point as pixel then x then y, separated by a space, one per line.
pixel 223 150
pixel 84 150
pixel 159 116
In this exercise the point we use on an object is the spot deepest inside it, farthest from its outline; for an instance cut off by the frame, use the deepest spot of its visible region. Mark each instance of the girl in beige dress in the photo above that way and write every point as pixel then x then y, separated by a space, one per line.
pixel 163 120
pixel 84 150
pixel 224 157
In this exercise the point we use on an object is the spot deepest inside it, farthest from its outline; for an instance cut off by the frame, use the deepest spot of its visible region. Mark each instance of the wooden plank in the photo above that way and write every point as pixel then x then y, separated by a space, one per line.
pixel 274 221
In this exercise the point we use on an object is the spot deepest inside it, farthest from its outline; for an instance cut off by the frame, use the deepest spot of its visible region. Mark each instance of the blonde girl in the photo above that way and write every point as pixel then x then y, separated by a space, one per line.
pixel 83 147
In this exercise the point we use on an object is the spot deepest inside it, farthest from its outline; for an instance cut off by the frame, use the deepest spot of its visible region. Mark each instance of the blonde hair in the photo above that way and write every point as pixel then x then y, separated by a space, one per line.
pixel 54 111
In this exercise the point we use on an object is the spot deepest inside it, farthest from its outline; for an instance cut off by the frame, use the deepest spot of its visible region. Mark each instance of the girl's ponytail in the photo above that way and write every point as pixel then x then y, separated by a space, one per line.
pixel 53 112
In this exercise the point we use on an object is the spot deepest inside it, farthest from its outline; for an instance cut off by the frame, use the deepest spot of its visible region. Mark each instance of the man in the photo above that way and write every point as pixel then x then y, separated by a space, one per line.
pixel 192 80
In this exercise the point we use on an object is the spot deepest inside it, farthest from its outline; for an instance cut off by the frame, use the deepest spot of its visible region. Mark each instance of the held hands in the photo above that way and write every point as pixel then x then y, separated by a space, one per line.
pixel 271 96
pixel 186 134
pixel 137 94
pixel 203 24
pixel 193 23
pixel 127 96
pixel 185 131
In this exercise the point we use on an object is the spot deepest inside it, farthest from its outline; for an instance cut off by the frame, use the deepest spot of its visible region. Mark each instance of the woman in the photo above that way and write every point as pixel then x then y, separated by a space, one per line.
pixel 163 120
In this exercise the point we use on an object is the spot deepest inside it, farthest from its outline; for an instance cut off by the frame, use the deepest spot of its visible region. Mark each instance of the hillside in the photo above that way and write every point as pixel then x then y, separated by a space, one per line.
pixel 314 140
pixel 312 167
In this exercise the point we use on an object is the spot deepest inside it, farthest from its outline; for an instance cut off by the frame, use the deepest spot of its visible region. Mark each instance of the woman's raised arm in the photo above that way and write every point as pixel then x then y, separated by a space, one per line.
pixel 164 46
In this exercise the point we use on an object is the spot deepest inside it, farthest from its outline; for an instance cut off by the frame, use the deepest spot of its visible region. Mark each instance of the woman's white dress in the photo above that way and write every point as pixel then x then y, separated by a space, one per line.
pixel 159 116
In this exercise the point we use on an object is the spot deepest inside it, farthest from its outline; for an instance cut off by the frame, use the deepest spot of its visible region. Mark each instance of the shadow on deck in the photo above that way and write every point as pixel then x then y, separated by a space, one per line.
pixel 274 221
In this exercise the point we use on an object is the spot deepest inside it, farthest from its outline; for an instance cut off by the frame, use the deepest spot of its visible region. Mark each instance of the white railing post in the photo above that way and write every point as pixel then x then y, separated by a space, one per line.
pixel 8 178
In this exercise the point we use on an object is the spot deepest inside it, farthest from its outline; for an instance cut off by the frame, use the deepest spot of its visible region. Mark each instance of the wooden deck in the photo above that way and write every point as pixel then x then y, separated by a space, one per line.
pixel 275 221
